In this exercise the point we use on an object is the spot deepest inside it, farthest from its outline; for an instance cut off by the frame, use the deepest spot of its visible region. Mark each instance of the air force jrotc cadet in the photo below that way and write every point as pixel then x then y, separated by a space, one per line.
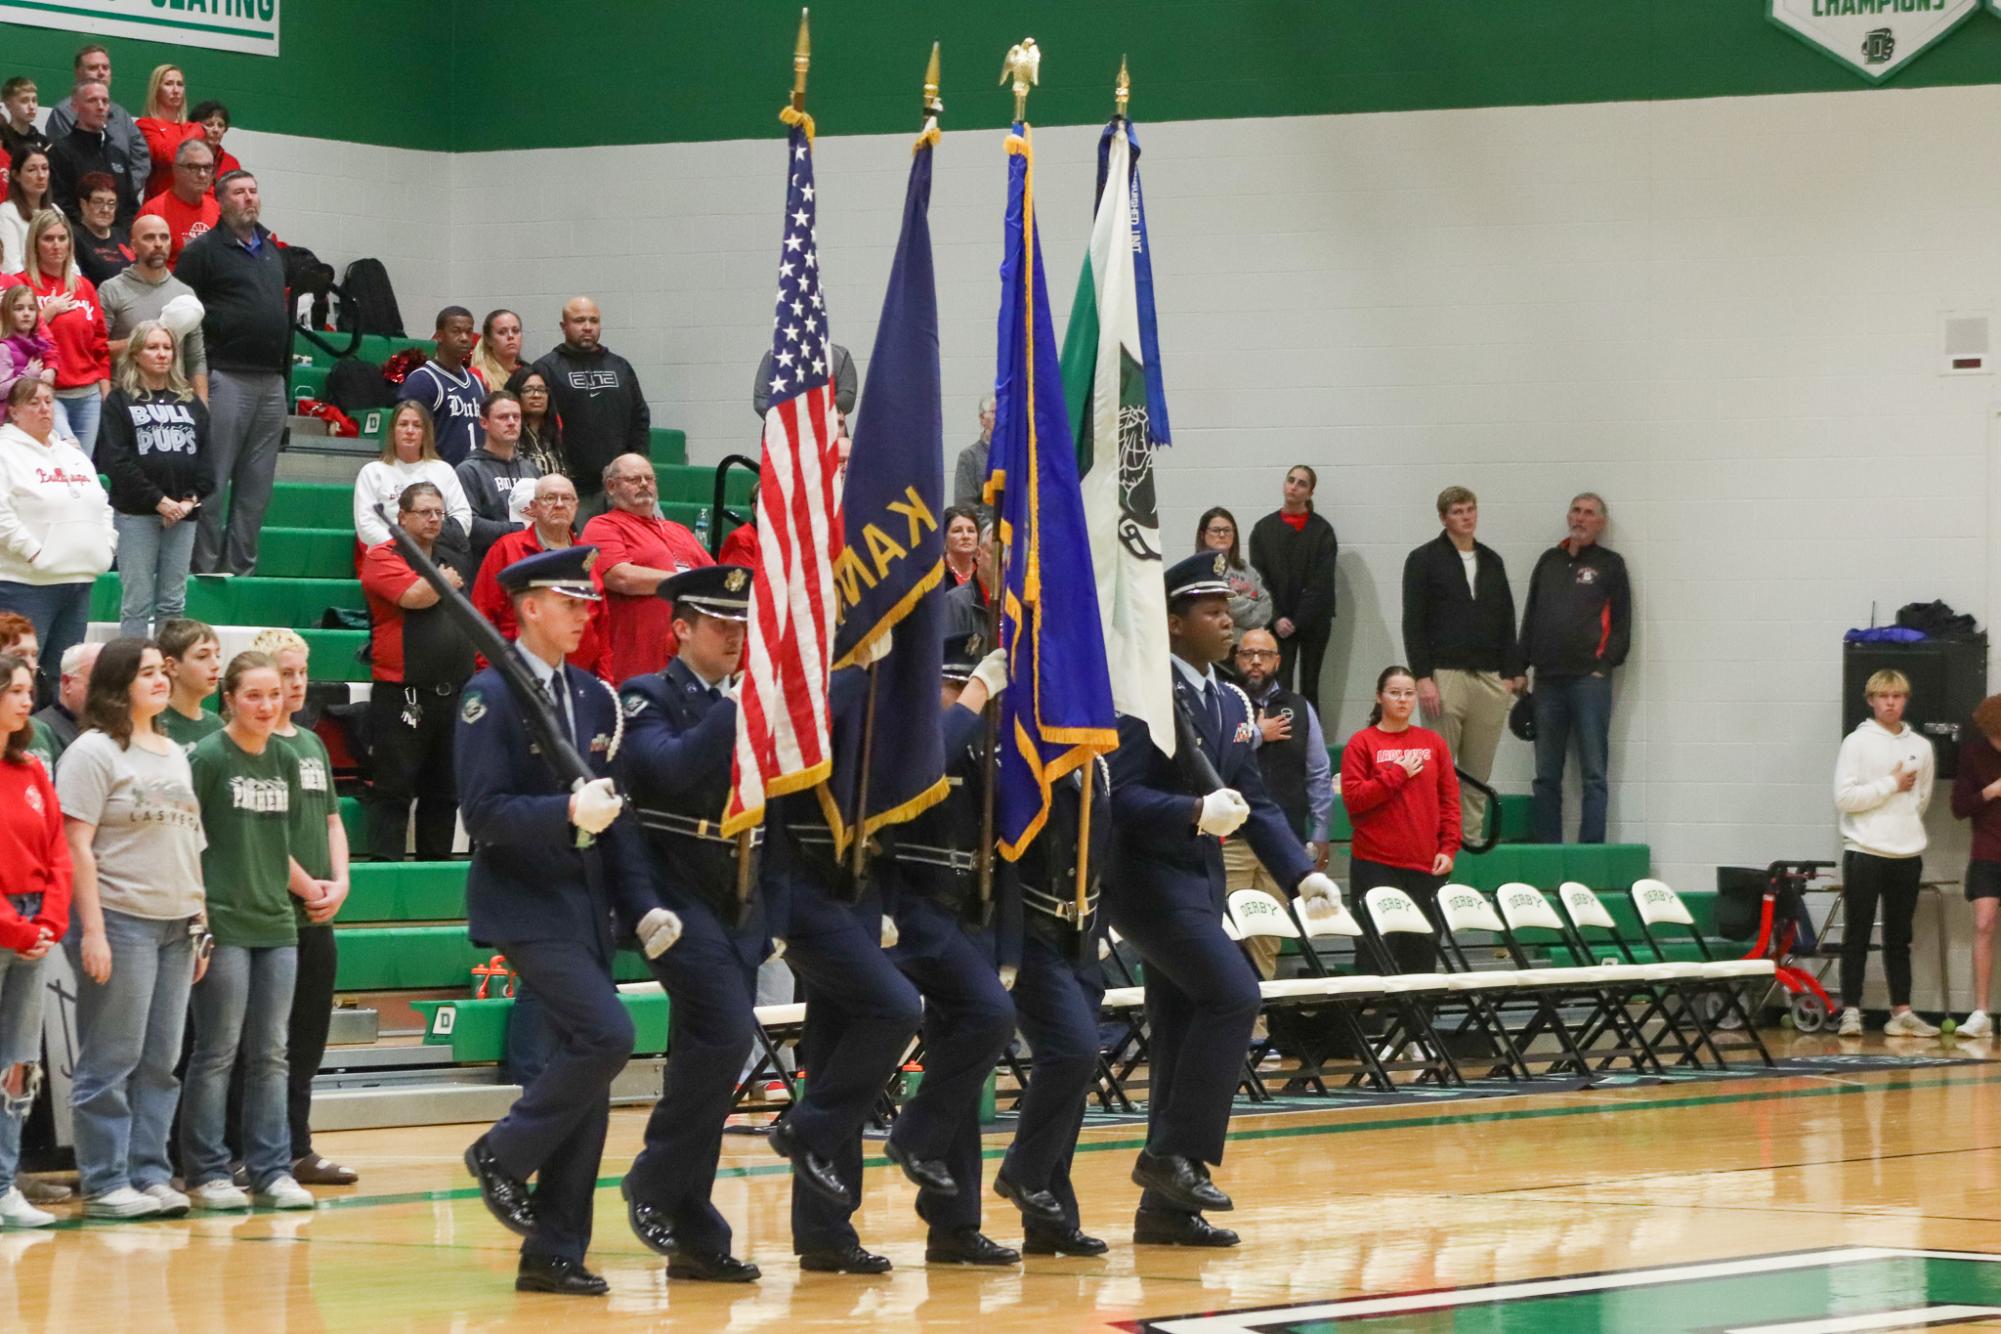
pixel 680 731
pixel 945 946
pixel 536 892
pixel 1166 896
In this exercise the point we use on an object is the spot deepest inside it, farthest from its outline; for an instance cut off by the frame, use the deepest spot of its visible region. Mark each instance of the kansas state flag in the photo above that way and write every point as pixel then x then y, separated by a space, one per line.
pixel 895 547
pixel 1057 712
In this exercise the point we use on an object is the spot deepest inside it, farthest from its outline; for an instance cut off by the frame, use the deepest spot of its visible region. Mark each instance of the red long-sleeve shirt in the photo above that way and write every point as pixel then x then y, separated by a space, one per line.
pixel 593 650
pixel 1400 820
pixel 34 857
pixel 1979 765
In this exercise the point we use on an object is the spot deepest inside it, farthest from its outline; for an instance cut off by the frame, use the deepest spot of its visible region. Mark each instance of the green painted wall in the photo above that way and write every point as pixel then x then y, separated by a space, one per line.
pixel 346 73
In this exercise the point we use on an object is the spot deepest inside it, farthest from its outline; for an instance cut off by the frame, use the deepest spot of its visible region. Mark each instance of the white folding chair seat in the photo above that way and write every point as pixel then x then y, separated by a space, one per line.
pixel 1736 968
pixel 1310 988
pixel 1124 998
pixel 780 1016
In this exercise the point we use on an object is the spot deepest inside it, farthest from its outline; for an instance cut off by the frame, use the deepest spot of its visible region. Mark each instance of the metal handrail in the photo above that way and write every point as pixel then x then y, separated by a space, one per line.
pixel 1490 834
pixel 719 511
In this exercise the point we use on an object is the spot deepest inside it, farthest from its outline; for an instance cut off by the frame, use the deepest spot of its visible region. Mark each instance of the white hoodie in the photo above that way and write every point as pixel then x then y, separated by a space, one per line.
pixel 55 520
pixel 1876 817
pixel 381 483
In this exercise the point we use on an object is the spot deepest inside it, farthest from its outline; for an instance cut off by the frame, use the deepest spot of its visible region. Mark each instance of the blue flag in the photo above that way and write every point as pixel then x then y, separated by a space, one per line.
pixel 895 549
pixel 1057 711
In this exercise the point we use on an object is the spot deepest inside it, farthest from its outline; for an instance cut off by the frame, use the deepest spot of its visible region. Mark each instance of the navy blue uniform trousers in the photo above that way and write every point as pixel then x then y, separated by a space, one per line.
pixel 555 1130
pixel 1056 999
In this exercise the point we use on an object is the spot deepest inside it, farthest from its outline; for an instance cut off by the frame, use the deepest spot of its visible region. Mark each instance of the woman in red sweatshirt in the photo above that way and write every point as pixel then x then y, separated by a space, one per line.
pixel 34 913
pixel 1402 796
pixel 1976 797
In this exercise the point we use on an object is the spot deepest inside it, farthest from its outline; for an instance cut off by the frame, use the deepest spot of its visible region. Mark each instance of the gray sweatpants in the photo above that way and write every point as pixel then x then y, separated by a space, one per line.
pixel 246 411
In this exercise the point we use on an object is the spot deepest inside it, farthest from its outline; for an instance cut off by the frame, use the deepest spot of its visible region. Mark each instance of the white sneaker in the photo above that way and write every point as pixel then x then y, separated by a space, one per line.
pixel 282 1192
pixel 1908 1025
pixel 219 1195
pixel 172 1203
pixel 1977 1025
pixel 124 1202
pixel 15 1211
pixel 1851 1023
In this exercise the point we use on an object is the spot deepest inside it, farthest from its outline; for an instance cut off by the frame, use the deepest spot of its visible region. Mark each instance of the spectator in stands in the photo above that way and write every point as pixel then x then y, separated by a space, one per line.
pixel 1459 635
pixel 185 200
pixel 450 389
pixel 193 655
pixel 1576 629
pixel 962 544
pixel 103 244
pixel 969 478
pixel 75 322
pixel 498 355
pixel 166 125
pixel 409 454
pixel 26 350
pixel 319 846
pixel 144 291
pixel 491 475
pixel 1976 796
pixel 154 447
pixel 841 377
pixel 56 534
pixel 27 194
pixel 1295 550
pixel 598 399
pixel 541 433
pixel 1250 604
pixel 1403 801
pixel 1292 760
pixel 34 916
pixel 1882 785
pixel 140 931
pixel 214 120
pixel 22 102
pixel 93 65
pixel 637 549
pixel 245 783
pixel 967 607
pixel 239 277
pixel 551 515
pixel 17 639
pixel 420 662
pixel 62 720
pixel 90 149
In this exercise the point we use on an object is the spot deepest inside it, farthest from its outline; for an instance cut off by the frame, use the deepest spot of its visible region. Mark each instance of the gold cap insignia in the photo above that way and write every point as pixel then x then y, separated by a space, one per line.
pixel 735 580
pixel 1222 565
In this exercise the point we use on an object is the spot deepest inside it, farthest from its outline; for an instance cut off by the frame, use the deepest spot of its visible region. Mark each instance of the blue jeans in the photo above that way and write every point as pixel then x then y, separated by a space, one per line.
pixel 245 1003
pixel 79 411
pixel 20 1044
pixel 153 563
pixel 1571 708
pixel 61 613
pixel 123 1091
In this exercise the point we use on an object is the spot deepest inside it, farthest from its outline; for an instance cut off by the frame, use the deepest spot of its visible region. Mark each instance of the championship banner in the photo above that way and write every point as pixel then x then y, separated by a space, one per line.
pixel 220 25
pixel 1875 38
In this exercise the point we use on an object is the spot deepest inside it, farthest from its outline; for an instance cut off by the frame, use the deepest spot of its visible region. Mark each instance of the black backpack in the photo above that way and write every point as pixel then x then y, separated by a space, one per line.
pixel 354 386
pixel 368 302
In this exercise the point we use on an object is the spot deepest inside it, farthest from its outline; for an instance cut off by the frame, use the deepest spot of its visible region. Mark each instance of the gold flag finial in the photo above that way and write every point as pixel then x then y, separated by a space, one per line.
pixel 1122 91
pixel 1023 65
pixel 932 104
pixel 802 60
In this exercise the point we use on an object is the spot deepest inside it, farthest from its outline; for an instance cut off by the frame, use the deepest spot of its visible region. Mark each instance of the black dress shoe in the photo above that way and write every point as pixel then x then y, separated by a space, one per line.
pixel 968 1246
pixel 505 1195
pixel 1181 1183
pixel 923 1173
pixel 1037 1206
pixel 809 1168
pixel 1162 1227
pixel 553 1273
pixel 651 1224
pixel 712 1267
pixel 1060 1241
pixel 846 1260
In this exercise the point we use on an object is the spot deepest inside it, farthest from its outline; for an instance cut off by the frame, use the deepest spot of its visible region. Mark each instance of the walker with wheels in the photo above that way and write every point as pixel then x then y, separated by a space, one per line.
pixel 1784 931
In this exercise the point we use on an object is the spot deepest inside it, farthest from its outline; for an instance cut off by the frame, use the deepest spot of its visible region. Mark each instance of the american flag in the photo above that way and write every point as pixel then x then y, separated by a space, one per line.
pixel 783 736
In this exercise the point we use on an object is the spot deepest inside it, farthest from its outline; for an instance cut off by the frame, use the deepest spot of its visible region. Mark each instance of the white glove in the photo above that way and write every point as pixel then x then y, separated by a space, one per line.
pixel 1008 974
pixel 992 672
pixel 778 947
pixel 888 935
pixel 877 650
pixel 1104 949
pixel 1222 812
pixel 1319 896
pixel 658 931
pixel 594 805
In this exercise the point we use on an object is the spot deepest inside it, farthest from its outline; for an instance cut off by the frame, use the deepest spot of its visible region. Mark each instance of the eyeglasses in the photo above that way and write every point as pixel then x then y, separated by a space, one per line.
pixel 198 168
pixel 427 514
pixel 1257 654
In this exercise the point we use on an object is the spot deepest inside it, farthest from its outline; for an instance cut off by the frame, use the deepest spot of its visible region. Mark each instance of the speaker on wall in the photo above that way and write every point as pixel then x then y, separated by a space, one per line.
pixel 1948 678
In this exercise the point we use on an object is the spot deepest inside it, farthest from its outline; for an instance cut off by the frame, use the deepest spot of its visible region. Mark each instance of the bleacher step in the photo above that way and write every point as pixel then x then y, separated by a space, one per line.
pixel 450 1096
pixel 352 1027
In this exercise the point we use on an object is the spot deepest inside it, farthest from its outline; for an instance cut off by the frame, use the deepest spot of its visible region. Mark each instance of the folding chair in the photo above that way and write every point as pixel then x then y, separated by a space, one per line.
pixel 773 1028
pixel 1419 1001
pixel 1256 914
pixel 1606 988
pixel 1124 1005
pixel 1725 979
pixel 1671 987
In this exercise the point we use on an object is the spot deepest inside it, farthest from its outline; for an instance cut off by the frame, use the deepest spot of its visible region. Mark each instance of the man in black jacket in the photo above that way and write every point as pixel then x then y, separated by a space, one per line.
pixel 87 149
pixel 1295 550
pixel 1575 630
pixel 1459 640
pixel 597 396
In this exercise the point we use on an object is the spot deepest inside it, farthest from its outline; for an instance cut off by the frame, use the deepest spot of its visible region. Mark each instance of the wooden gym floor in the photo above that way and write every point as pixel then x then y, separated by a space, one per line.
pixel 1333 1206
